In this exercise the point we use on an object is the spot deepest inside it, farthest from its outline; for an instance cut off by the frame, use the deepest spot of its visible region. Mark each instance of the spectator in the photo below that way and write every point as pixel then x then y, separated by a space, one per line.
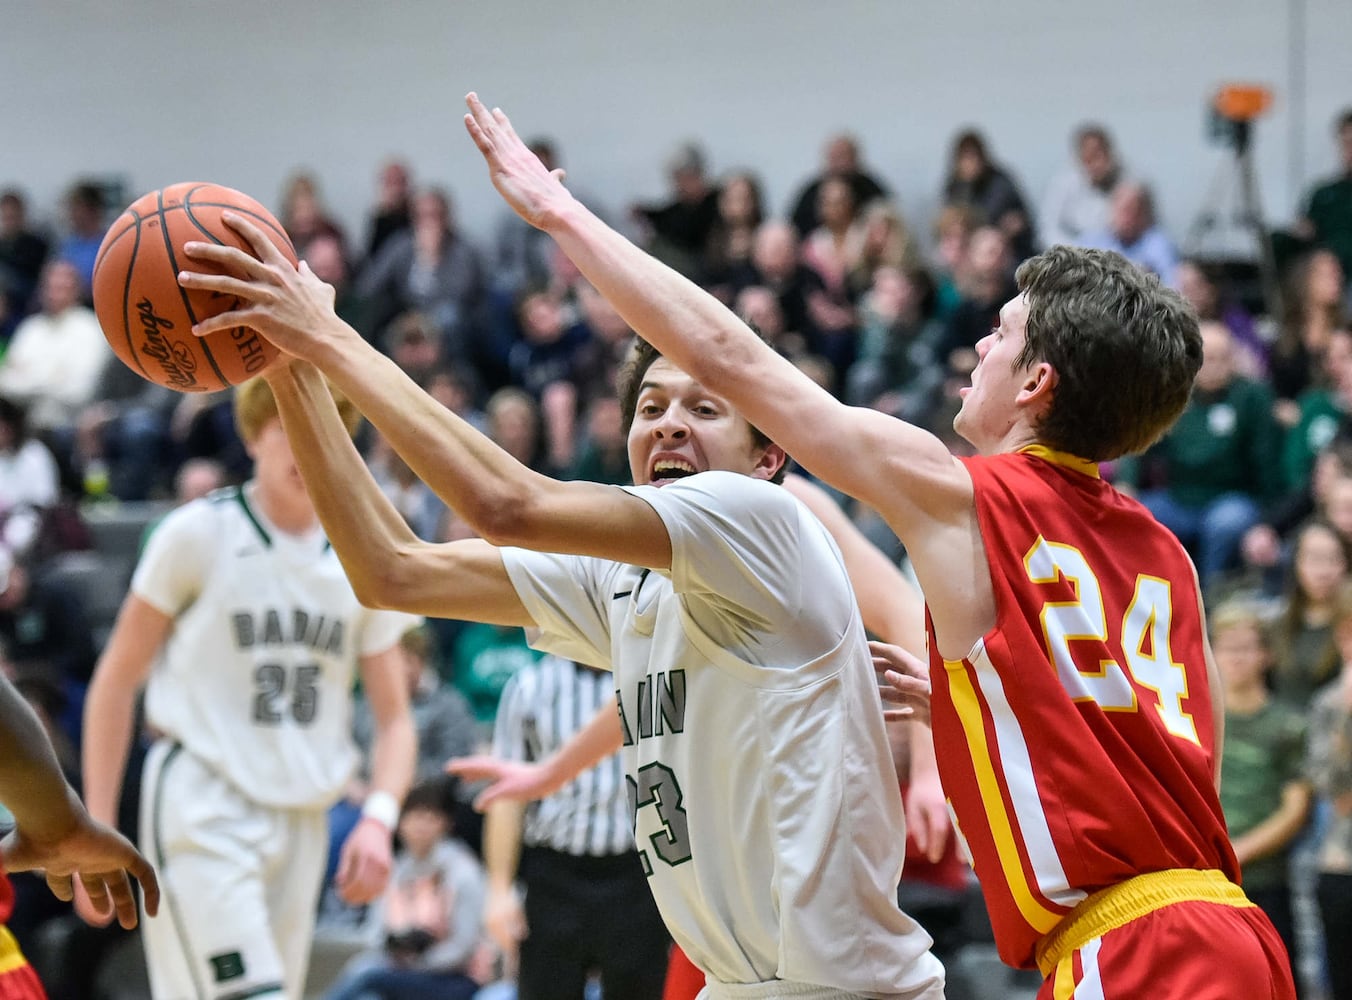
pixel 761 308
pixel 1313 309
pixel 415 344
pixel 85 208
pixel 741 211
pixel 56 355
pixel 897 347
pixel 22 250
pixel 1330 771
pixel 1305 654
pixel 841 159
pixel 1205 287
pixel 119 442
pixel 329 261
pixel 29 482
pixel 986 283
pixel 887 242
pixel 1077 201
pixel 483 660
pixel 975 181
pixel 1134 232
pixel 393 208
pixel 429 921
pixel 836 246
pixel 1327 217
pixel 682 225
pixel 1263 789
pixel 953 229
pixel 1215 466
pixel 776 265
pixel 431 268
pixel 303 214
pixel 604 455
pixel 1322 412
pixel 452 389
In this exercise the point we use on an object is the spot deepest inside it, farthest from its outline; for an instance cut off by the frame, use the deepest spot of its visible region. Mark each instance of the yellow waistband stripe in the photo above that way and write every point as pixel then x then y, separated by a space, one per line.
pixel 11 957
pixel 1110 908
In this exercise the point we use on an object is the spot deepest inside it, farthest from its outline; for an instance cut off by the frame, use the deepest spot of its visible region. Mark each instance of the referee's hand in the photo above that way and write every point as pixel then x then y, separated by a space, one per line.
pixel 511 780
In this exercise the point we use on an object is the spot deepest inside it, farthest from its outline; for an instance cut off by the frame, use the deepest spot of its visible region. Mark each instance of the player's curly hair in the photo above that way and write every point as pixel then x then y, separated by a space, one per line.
pixel 1125 350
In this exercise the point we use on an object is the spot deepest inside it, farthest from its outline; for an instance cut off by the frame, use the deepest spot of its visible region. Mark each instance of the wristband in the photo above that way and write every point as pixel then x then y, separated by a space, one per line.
pixel 383 808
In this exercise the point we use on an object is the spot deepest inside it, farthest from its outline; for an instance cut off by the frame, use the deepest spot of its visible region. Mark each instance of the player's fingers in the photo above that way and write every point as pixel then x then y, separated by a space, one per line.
pixel 472 768
pixel 487 797
pixel 62 886
pixel 898 714
pixel 224 283
pixel 124 903
pixel 232 259
pixel 477 134
pixel 228 321
pixel 144 873
pixel 97 891
pixel 263 248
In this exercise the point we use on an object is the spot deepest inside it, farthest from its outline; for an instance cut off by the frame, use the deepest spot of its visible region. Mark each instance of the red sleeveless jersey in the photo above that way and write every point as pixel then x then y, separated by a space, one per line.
pixel 6 897
pixel 1076 740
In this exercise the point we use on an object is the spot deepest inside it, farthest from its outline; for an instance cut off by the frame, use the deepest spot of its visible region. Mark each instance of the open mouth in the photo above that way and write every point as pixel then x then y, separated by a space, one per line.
pixel 666 470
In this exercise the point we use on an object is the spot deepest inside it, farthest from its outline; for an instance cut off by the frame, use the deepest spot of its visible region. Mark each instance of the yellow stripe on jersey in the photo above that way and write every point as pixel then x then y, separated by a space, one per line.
pixel 11 957
pixel 973 727
pixel 1063 987
pixel 1062 458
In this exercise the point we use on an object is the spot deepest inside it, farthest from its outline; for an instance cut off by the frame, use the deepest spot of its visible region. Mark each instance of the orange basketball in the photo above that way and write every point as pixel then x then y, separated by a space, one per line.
pixel 148 317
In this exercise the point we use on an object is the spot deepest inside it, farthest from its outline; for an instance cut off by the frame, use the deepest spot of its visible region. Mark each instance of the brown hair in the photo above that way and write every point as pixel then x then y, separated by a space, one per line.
pixel 255 405
pixel 1125 350
pixel 629 379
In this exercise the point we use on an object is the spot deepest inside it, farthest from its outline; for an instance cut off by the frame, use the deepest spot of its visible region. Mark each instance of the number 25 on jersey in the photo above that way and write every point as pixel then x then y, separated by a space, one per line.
pixel 1144 638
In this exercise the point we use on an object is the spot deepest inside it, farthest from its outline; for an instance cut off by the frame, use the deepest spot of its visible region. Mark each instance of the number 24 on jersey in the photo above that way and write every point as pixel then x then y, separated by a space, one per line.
pixel 1144 638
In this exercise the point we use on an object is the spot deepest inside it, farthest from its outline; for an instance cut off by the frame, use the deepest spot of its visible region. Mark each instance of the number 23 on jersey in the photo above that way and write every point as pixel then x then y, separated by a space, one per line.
pixel 1144 639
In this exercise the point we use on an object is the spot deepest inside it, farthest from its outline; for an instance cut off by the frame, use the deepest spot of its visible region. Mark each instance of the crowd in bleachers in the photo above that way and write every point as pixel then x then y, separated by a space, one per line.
pixel 1256 478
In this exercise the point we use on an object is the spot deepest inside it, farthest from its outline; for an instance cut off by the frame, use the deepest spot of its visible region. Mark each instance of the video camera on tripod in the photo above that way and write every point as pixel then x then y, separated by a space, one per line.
pixel 1232 200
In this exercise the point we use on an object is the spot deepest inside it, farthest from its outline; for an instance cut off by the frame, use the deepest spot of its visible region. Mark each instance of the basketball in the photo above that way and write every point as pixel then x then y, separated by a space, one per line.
pixel 148 317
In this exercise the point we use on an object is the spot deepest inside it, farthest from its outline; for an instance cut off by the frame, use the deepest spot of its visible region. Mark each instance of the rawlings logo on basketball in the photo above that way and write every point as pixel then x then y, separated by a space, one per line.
pixel 175 359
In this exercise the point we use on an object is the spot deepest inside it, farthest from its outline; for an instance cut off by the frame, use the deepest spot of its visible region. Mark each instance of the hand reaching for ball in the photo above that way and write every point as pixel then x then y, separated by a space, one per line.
pixel 288 306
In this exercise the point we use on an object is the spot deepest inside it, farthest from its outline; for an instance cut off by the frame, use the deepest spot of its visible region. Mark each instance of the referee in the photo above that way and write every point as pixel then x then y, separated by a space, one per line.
pixel 587 904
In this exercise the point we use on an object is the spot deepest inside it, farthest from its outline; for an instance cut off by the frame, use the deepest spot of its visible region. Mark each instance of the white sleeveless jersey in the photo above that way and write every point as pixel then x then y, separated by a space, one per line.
pixel 256 676
pixel 766 805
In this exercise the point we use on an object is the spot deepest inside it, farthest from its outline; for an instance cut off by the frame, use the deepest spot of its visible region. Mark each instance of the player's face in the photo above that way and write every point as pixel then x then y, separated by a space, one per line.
pixel 274 465
pixel 681 428
pixel 989 408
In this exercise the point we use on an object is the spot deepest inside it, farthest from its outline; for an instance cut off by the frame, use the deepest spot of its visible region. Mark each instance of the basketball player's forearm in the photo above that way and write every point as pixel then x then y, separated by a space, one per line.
pixel 602 736
pixel 476 478
pixel 503 827
pixel 394 755
pixel 365 529
pixel 108 722
pixel 32 786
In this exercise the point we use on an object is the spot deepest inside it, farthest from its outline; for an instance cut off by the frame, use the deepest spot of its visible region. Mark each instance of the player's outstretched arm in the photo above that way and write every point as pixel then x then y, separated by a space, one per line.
pixel 895 467
pixel 53 832
pixel 501 499
pixel 512 780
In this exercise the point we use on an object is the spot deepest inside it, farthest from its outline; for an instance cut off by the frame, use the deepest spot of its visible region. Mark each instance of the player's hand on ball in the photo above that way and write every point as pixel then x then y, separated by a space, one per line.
pixel 289 306
pixel 103 862
pixel 533 192
pixel 508 779
pixel 903 680
pixel 364 863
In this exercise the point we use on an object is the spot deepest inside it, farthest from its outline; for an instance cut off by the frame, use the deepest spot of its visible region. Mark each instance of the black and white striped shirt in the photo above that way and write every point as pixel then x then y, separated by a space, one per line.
pixel 542 706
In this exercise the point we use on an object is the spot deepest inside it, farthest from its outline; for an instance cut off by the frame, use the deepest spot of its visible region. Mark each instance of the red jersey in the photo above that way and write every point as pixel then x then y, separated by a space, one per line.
pixel 6 897
pixel 1076 741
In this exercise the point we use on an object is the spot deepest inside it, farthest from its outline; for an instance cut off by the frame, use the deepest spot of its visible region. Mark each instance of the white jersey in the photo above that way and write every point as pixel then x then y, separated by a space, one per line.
pixel 256 676
pixel 766 805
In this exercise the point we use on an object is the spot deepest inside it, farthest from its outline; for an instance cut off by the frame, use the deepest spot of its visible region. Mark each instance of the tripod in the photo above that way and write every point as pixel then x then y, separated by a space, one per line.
pixel 1236 179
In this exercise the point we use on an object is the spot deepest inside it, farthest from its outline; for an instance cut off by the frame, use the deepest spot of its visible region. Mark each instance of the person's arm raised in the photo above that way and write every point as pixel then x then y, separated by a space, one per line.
pixel 502 500
pixel 893 466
